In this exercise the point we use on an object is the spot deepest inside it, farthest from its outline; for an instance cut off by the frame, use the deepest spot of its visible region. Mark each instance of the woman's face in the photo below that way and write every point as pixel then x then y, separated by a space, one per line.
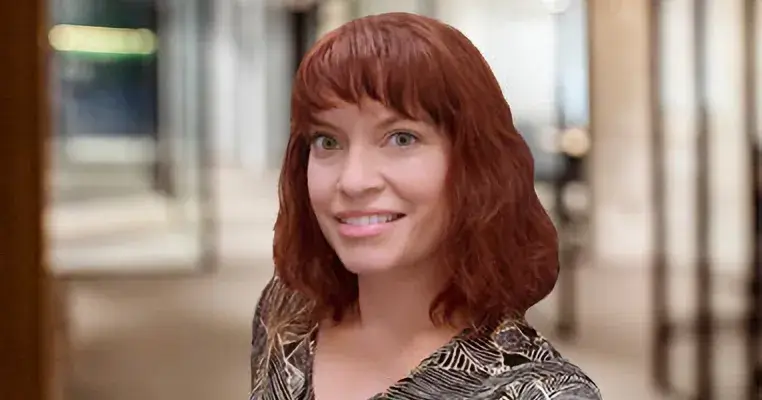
pixel 376 184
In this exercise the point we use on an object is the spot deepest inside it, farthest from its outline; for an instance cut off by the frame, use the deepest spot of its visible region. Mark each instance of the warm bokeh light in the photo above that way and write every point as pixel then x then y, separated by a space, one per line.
pixel 96 39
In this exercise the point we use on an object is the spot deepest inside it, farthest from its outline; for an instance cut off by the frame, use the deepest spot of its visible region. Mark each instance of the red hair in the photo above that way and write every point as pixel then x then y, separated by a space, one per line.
pixel 500 248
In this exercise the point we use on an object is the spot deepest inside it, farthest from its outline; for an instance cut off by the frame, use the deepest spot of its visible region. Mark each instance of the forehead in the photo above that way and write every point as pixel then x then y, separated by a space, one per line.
pixel 366 109
pixel 369 112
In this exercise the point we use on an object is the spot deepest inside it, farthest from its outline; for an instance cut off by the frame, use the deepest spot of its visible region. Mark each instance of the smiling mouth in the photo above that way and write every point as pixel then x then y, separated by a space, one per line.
pixel 367 220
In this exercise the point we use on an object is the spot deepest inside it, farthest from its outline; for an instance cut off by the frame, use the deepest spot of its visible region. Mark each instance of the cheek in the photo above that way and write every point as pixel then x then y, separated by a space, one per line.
pixel 319 186
pixel 422 180
pixel 424 193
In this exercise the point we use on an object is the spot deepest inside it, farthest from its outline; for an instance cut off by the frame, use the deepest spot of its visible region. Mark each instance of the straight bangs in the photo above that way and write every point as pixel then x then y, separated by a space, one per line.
pixel 358 62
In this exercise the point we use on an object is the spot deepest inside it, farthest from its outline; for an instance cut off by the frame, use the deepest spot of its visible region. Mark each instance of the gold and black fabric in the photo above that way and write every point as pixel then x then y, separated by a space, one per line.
pixel 507 362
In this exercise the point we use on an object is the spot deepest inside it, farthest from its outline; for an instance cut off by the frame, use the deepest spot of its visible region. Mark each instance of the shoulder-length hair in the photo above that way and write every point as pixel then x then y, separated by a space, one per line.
pixel 500 248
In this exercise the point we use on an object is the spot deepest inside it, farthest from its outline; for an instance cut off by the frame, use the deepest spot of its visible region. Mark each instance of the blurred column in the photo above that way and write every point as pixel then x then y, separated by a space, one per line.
pixel 754 290
pixel 620 123
pixel 249 112
pixel 721 162
pixel 730 209
pixel 621 119
pixel 222 57
pixel 332 14
pixel 371 7
pixel 182 111
pixel 25 336
pixel 253 67
pixel 304 28
pixel 277 49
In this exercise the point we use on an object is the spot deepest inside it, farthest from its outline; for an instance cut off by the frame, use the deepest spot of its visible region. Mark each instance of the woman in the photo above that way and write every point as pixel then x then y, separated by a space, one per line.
pixel 410 241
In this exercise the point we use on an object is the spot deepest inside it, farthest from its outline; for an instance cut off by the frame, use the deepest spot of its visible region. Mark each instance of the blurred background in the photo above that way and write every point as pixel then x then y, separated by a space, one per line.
pixel 170 117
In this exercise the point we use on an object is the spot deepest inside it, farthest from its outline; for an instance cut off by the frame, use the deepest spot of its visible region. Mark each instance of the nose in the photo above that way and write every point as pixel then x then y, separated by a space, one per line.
pixel 360 175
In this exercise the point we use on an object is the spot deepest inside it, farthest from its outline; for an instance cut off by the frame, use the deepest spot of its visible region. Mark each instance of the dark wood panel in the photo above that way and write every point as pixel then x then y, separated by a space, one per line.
pixel 23 284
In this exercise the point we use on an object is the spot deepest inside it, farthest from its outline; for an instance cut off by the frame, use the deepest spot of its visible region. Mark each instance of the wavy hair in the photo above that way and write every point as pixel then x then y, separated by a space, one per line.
pixel 500 249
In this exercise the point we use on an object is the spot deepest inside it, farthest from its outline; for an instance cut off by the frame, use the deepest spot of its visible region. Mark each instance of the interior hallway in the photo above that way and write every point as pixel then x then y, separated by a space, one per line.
pixel 188 338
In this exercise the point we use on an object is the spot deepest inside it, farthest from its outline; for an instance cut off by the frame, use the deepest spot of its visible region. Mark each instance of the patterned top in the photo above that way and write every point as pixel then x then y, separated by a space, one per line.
pixel 509 362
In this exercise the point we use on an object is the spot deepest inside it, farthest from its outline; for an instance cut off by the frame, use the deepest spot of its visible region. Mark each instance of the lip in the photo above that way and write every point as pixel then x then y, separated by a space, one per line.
pixel 364 231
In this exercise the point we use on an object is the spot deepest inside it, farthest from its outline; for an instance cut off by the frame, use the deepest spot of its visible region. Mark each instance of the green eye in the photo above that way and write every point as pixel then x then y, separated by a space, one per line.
pixel 402 139
pixel 325 142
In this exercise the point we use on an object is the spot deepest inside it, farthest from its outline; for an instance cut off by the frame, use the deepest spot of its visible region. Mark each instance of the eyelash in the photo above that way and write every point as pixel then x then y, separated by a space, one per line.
pixel 315 136
pixel 410 134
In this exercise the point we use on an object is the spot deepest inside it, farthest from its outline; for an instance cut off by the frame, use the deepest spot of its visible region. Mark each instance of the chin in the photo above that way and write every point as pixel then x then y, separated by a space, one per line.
pixel 363 263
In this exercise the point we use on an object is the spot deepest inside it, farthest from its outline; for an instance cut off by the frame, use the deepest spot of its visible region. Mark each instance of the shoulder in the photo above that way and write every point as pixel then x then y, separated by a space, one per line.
pixel 555 379
pixel 261 314
pixel 279 309
pixel 280 322
pixel 543 373
pixel 259 335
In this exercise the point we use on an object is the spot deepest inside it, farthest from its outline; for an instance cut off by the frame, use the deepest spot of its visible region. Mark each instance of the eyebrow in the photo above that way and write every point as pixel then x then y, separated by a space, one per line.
pixel 314 120
pixel 385 123
pixel 389 121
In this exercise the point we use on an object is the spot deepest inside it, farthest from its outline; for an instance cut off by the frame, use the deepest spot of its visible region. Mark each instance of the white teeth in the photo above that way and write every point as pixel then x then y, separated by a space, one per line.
pixel 369 219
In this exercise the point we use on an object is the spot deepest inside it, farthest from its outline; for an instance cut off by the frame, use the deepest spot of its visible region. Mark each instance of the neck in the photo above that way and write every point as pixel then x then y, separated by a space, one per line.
pixel 398 303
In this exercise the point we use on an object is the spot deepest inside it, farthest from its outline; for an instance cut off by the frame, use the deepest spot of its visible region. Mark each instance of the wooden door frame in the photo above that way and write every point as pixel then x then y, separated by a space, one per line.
pixel 24 337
